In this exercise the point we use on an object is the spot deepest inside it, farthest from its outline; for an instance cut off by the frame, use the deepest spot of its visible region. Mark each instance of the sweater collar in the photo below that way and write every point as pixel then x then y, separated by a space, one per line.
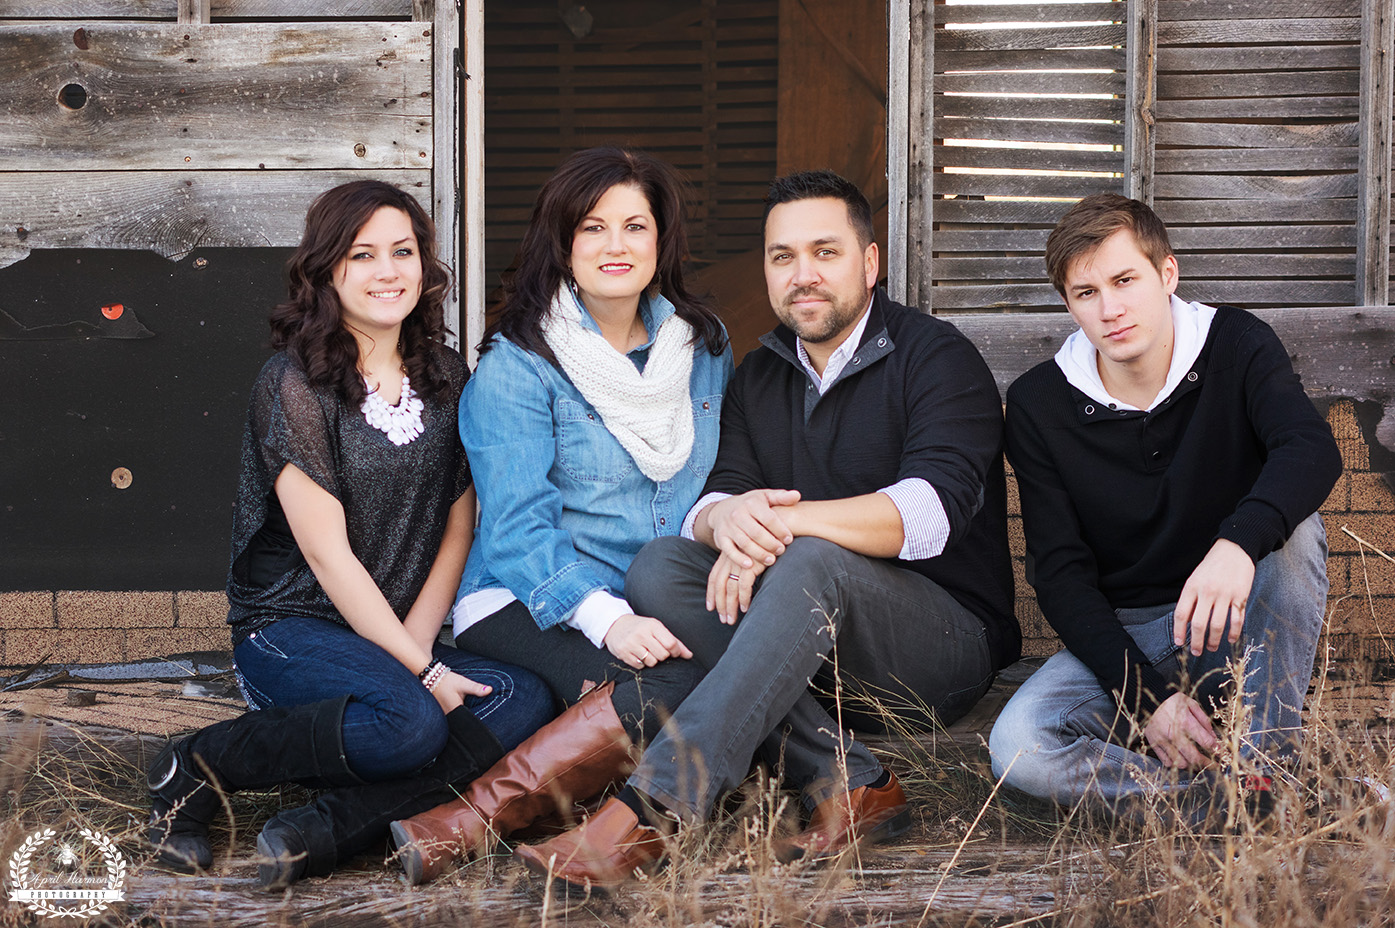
pixel 874 345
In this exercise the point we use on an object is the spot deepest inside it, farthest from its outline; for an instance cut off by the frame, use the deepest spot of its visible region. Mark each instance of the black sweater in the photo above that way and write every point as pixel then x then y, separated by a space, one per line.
pixel 1119 507
pixel 915 400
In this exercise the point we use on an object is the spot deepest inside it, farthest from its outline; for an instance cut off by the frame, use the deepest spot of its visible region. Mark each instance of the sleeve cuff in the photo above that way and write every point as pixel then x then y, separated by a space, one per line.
pixel 690 520
pixel 923 519
pixel 596 614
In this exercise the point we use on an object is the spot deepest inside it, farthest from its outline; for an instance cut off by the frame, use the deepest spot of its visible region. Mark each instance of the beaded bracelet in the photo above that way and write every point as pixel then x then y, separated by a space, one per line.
pixel 431 674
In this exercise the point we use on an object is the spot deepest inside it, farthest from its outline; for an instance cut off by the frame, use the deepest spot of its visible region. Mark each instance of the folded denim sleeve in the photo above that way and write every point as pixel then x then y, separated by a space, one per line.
pixel 507 428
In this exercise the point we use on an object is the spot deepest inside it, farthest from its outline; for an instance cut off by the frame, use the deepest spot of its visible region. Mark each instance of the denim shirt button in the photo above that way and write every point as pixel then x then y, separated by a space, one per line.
pixel 663 521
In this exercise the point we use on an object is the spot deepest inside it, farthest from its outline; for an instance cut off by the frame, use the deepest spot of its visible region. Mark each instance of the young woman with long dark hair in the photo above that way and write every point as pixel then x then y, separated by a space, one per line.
pixel 591 423
pixel 353 520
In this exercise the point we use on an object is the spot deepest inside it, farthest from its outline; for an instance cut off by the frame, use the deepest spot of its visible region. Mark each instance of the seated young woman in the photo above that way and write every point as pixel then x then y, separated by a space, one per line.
pixel 591 423
pixel 354 516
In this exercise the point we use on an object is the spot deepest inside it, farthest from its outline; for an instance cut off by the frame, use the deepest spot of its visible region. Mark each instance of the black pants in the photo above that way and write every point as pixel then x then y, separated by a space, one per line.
pixel 571 664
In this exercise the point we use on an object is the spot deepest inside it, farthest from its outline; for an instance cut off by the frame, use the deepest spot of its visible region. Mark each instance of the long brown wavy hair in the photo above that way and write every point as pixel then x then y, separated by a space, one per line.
pixel 543 263
pixel 310 323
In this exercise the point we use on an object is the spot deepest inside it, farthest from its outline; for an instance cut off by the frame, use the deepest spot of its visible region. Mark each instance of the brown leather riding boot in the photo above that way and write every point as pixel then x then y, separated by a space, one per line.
pixel 573 757
pixel 602 852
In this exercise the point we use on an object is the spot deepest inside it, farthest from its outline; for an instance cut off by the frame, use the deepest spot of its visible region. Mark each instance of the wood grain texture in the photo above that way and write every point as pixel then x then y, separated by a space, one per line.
pixel 1014 59
pixel 1229 135
pixel 1373 212
pixel 1177 212
pixel 1031 82
pixel 963 40
pixel 1275 237
pixel 1278 31
pixel 168 9
pixel 1028 110
pixel 169 213
pixel 1242 9
pixel 1253 186
pixel 1259 84
pixel 237 95
pixel 1104 11
pixel 1194 266
pixel 1029 131
pixel 1207 160
pixel 1305 107
pixel 1284 57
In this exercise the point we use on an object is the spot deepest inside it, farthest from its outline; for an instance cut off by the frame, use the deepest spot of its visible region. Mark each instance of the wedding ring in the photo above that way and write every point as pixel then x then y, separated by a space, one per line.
pixel 736 577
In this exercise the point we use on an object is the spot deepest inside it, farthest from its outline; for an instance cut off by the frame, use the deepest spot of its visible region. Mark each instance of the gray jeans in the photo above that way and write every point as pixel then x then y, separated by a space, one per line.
pixel 1058 739
pixel 900 639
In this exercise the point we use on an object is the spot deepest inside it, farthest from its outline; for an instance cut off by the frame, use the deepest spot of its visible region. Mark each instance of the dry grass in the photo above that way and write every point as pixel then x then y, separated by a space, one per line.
pixel 978 856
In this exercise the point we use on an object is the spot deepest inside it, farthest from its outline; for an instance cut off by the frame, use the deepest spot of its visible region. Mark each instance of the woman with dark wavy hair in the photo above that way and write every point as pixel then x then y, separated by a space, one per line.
pixel 353 520
pixel 591 423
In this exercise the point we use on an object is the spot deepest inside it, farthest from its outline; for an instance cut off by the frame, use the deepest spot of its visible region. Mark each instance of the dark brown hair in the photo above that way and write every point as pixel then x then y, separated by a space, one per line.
pixel 818 185
pixel 310 323
pixel 543 263
pixel 1088 223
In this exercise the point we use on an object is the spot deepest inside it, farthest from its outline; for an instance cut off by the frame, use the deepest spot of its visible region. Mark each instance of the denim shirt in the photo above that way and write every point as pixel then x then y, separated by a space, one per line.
pixel 563 508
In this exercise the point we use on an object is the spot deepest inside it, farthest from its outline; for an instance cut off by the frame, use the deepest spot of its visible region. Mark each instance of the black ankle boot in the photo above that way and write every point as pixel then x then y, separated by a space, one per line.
pixel 314 839
pixel 182 805
pixel 266 747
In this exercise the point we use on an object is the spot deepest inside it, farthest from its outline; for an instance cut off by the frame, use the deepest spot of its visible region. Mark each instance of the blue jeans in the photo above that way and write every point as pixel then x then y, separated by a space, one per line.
pixel 901 640
pixel 1056 738
pixel 392 725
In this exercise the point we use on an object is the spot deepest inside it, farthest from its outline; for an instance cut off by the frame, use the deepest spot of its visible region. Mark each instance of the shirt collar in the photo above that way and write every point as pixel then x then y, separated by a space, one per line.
pixel 1078 359
pixel 840 356
pixel 653 312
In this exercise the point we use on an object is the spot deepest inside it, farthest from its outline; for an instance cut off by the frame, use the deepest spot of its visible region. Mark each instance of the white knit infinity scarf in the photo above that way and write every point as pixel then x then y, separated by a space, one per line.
pixel 649 413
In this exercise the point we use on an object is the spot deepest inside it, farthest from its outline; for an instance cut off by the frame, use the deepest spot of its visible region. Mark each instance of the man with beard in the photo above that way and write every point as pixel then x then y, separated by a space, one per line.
pixel 857 496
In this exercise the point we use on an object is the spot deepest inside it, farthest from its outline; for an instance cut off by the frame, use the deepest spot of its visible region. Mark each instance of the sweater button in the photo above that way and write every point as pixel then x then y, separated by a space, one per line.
pixel 881 343
pixel 1089 410
pixel 1191 376
pixel 857 360
pixel 1156 455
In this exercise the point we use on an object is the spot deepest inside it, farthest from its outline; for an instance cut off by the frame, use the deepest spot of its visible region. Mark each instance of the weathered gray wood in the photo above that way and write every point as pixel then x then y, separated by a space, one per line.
pixel 1194 266
pixel 243 95
pixel 921 202
pixel 990 240
pixel 1178 212
pixel 169 213
pixel 987 296
pixel 905 85
pixel 473 284
pixel 958 40
pixel 1030 159
pixel 1280 237
pixel 1304 107
pixel 1268 292
pixel 1028 131
pixel 1140 95
pixel 1243 9
pixel 1029 82
pixel 1259 30
pixel 168 9
pixel 998 212
pixel 1258 84
pixel 1014 59
pixel 1373 213
pixel 1216 135
pixel 1023 185
pixel 1029 13
pixel 1260 58
pixel 1256 186
pixel 443 22
pixel 1202 160
pixel 1028 110
pixel 193 12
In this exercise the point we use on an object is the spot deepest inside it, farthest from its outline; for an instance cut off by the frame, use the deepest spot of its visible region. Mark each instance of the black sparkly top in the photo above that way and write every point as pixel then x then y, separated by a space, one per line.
pixel 396 498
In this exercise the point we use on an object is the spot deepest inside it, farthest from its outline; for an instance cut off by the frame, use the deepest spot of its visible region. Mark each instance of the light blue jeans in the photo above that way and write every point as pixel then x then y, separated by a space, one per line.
pixel 1058 737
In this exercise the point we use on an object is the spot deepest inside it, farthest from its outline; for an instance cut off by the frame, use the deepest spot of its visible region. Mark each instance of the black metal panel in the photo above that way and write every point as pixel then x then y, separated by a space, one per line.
pixel 158 387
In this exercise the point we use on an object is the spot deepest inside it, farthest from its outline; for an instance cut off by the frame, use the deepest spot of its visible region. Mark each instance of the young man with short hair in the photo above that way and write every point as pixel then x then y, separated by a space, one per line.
pixel 1170 469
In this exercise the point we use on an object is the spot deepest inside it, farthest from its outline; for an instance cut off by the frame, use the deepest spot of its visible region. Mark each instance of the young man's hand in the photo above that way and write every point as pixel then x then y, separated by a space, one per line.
pixel 1180 733
pixel 1219 585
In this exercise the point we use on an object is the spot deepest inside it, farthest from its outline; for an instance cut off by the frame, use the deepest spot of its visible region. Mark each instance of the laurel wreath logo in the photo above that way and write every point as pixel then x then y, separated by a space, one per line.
pixel 21 862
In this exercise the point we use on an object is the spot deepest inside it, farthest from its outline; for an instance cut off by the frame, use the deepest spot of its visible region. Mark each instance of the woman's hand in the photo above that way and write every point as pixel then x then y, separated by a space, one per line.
pixel 730 586
pixel 640 641
pixel 450 691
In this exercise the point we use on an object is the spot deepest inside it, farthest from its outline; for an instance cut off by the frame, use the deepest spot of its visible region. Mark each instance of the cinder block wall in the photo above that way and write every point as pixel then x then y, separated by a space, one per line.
pixel 91 627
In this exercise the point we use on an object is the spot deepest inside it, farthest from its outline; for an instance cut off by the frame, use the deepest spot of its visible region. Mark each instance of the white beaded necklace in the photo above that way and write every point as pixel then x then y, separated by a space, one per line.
pixel 401 423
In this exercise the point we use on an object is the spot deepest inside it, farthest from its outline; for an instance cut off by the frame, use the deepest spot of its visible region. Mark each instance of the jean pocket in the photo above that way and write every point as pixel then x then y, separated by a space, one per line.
pixel 585 447
pixel 264 645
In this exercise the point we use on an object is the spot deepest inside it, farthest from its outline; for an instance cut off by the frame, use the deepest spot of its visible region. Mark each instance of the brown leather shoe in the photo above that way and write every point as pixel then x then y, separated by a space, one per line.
pixel 573 757
pixel 601 853
pixel 866 814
